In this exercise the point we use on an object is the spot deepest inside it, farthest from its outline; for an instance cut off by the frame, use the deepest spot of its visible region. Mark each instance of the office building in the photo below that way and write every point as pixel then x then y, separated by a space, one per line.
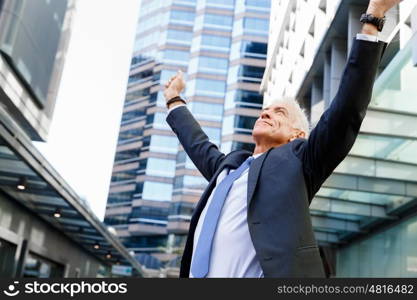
pixel 365 215
pixel 221 47
pixel 46 230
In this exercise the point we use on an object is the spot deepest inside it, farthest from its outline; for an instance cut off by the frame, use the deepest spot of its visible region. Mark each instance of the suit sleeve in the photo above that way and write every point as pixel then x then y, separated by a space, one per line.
pixel 335 133
pixel 204 154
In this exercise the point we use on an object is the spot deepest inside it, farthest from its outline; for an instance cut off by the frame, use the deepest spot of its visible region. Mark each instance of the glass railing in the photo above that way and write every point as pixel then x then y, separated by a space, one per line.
pixel 387 145
pixel 385 149
pixel 361 197
pixel 396 87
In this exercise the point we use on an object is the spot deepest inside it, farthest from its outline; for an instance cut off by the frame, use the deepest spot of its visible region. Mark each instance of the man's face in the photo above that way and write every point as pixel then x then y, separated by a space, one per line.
pixel 275 125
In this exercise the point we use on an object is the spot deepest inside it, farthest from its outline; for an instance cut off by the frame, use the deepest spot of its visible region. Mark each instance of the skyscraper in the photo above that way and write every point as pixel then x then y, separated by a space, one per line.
pixel 46 229
pixel 221 46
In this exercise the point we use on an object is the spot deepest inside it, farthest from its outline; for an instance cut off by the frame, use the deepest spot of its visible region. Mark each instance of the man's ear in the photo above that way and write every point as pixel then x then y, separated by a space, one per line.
pixel 297 135
pixel 301 134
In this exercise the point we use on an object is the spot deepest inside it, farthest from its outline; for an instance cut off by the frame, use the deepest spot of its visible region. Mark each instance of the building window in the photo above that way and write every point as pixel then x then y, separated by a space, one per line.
pixel 228 147
pixel 245 73
pixel 140 77
pixel 212 64
pixel 243 98
pixel 251 72
pixel 160 167
pixel 181 157
pixel 120 197
pixel 213 134
pixel 157 120
pixel 176 55
pixel 175 36
pixel 258 3
pixel 124 175
pixel 127 154
pixel 143 41
pixel 157 191
pixel 116 219
pixel 180 16
pixel 207 111
pixel 218 20
pixel 215 41
pixel 210 85
pixel 144 241
pixel 181 208
pixel 135 95
pixel 221 3
pixel 238 124
pixel 253 49
pixel 185 2
pixel 207 87
pixel 180 240
pixel 163 144
pixel 130 134
pixel 39 267
pixel 190 182
pixel 248 49
pixel 148 212
pixel 133 114
pixel 256 25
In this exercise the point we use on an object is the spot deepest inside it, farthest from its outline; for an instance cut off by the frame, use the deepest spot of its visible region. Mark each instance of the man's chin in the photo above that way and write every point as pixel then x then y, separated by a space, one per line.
pixel 259 133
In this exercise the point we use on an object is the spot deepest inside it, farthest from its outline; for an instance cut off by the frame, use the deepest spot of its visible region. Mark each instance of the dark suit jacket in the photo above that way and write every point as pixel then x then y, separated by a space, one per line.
pixel 283 181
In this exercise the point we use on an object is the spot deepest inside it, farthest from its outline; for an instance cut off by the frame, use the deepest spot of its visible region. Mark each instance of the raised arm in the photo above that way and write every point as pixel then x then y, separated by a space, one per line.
pixel 334 135
pixel 204 154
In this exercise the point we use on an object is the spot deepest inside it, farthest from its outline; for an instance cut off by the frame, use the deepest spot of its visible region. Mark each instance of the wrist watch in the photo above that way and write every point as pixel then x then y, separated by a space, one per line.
pixel 371 19
pixel 175 99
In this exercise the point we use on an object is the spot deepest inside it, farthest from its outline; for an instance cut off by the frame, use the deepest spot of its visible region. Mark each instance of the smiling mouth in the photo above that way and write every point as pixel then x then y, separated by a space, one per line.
pixel 266 123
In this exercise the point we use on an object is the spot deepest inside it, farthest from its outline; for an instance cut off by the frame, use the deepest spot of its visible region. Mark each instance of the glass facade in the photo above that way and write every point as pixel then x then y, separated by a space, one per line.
pixel 364 214
pixel 390 253
pixel 384 153
pixel 30 39
pixel 155 185
pixel 238 124
pixel 46 229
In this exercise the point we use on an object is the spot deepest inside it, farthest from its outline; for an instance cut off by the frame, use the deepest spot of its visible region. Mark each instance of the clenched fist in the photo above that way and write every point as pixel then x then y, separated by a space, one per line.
pixel 379 7
pixel 174 86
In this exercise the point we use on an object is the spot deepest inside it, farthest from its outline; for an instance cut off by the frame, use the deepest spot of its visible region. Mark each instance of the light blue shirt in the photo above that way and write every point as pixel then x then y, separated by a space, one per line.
pixel 233 254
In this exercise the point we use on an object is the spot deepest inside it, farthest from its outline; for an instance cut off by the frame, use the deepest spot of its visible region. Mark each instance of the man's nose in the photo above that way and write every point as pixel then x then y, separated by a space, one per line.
pixel 265 115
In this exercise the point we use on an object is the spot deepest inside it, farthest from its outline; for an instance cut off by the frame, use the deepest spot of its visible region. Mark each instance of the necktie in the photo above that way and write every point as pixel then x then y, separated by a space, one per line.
pixel 201 259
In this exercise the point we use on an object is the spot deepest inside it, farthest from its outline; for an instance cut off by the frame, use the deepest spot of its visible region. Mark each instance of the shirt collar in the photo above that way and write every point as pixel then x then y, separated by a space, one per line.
pixel 257 155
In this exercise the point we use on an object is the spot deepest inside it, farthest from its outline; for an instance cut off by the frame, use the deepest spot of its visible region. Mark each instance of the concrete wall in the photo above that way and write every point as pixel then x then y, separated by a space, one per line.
pixel 30 233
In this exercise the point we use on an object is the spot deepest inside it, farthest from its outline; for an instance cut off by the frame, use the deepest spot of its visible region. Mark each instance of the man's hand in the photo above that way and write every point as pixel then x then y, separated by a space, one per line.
pixel 378 8
pixel 174 86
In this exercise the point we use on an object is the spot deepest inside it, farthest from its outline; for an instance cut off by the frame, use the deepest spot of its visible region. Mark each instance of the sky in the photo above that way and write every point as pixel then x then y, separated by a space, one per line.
pixel 84 130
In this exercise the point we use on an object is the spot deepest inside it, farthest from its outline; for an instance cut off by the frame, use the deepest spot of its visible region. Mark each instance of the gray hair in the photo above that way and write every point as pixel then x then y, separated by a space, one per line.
pixel 300 117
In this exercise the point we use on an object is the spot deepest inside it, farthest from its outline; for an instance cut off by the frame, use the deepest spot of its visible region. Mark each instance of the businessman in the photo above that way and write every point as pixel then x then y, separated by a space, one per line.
pixel 253 218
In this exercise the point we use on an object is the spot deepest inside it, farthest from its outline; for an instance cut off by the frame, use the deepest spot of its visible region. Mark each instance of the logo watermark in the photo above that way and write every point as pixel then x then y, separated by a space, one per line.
pixel 71 289
pixel 11 289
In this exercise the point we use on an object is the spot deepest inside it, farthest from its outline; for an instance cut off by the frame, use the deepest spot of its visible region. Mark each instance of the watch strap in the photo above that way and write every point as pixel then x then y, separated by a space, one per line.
pixel 175 99
pixel 371 19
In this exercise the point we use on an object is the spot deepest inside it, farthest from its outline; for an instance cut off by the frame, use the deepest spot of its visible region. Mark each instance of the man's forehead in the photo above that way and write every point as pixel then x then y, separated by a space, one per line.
pixel 278 105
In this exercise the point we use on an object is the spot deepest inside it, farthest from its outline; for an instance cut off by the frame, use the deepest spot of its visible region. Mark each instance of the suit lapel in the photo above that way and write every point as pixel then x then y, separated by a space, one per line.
pixel 253 176
pixel 233 161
